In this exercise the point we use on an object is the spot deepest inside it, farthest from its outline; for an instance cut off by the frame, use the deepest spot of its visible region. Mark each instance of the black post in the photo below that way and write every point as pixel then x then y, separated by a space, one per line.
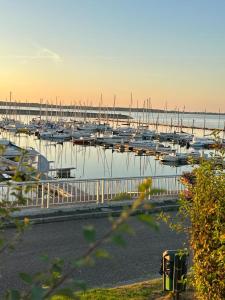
pixel 176 296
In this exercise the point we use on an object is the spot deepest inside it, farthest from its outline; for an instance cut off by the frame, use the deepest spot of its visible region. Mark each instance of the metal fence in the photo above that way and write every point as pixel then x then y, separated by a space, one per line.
pixel 45 194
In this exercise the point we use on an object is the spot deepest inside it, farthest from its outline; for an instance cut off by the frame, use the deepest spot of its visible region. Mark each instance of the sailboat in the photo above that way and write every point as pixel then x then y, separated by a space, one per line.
pixel 11 155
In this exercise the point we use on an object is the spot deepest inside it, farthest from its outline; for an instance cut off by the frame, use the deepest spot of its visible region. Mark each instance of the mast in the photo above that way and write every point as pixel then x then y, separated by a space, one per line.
pixel 166 115
pixel 138 124
pixel 224 130
pixel 193 125
pixel 100 104
pixel 6 108
pixel 14 110
pixel 146 112
pixel 27 116
pixel 219 120
pixel 181 121
pixel 131 103
pixel 18 111
pixel 70 107
pixel 56 109
pixel 114 104
pixel 105 111
pixel 40 107
pixel 143 113
pixel 75 111
pixel 107 115
pixel 178 119
pixel 85 111
pixel 46 111
pixel 149 102
pixel 10 100
pixel 52 108
pixel 204 123
pixel 157 122
pixel 151 110
pixel 61 113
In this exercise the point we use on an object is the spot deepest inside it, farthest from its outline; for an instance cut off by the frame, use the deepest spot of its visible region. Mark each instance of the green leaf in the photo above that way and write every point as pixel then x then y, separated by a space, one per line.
pixel 26 278
pixel 79 263
pixel 57 269
pixel 44 258
pixel 102 253
pixel 57 265
pixel 40 277
pixel 147 219
pixel 89 233
pixel 126 228
pixel 37 293
pixel 1 242
pixel 145 185
pixel 118 240
pixel 80 284
pixel 87 261
pixel 3 211
pixel 13 295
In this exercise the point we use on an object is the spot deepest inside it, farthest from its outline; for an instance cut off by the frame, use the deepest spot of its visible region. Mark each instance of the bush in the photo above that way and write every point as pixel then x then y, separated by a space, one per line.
pixel 206 211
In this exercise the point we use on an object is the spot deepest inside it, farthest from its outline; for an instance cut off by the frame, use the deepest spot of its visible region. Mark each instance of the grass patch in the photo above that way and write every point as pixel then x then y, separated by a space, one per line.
pixel 128 196
pixel 138 291
pixel 156 191
pixel 147 290
pixel 122 196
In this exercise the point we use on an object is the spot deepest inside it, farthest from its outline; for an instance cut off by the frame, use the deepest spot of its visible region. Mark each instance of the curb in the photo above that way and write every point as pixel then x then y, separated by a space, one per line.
pixel 75 214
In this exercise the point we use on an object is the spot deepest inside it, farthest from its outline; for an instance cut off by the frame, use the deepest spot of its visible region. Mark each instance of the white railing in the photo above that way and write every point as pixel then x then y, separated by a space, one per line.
pixel 50 193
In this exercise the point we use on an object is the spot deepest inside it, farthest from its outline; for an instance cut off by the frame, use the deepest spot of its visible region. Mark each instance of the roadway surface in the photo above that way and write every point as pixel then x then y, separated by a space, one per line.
pixel 139 260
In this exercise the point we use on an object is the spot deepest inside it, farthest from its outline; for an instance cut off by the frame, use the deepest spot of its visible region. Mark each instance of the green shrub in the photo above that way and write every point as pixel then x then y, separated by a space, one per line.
pixel 122 196
pixel 206 210
pixel 157 191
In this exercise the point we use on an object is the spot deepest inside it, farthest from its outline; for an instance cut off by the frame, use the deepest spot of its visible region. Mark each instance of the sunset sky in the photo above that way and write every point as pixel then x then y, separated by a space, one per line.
pixel 170 50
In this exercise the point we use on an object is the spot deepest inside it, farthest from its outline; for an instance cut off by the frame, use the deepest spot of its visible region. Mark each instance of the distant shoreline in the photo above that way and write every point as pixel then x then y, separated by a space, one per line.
pixel 103 108
pixel 54 113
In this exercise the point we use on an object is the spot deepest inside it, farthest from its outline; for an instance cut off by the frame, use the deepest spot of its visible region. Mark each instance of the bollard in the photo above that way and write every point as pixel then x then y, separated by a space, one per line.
pixel 174 271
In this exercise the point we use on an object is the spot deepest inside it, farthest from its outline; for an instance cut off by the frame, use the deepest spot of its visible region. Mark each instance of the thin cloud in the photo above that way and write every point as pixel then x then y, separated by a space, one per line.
pixel 45 53
pixel 41 54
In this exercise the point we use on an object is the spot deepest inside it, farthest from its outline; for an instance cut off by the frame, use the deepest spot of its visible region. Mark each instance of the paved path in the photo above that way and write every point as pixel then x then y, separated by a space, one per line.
pixel 139 260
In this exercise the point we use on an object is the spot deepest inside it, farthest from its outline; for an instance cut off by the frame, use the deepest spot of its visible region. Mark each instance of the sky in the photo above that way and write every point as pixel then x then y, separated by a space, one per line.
pixel 172 51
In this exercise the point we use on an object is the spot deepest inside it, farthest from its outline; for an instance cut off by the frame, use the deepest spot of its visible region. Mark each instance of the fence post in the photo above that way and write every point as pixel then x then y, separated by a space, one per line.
pixel 48 195
pixel 97 192
pixel 103 184
pixel 42 195
pixel 8 193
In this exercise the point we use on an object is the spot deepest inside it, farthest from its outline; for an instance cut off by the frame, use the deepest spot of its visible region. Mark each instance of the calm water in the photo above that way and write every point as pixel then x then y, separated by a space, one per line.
pixel 95 162
pixel 199 120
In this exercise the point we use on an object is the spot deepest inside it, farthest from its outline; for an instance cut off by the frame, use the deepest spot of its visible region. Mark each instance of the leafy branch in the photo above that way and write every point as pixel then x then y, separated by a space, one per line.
pixel 40 286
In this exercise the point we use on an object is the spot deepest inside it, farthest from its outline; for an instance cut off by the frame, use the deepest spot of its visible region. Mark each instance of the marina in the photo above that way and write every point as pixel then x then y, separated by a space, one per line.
pixel 86 147
pixel 112 150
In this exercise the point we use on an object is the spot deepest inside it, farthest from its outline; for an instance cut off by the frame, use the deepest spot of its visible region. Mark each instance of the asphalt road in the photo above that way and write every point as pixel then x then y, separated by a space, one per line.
pixel 139 260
